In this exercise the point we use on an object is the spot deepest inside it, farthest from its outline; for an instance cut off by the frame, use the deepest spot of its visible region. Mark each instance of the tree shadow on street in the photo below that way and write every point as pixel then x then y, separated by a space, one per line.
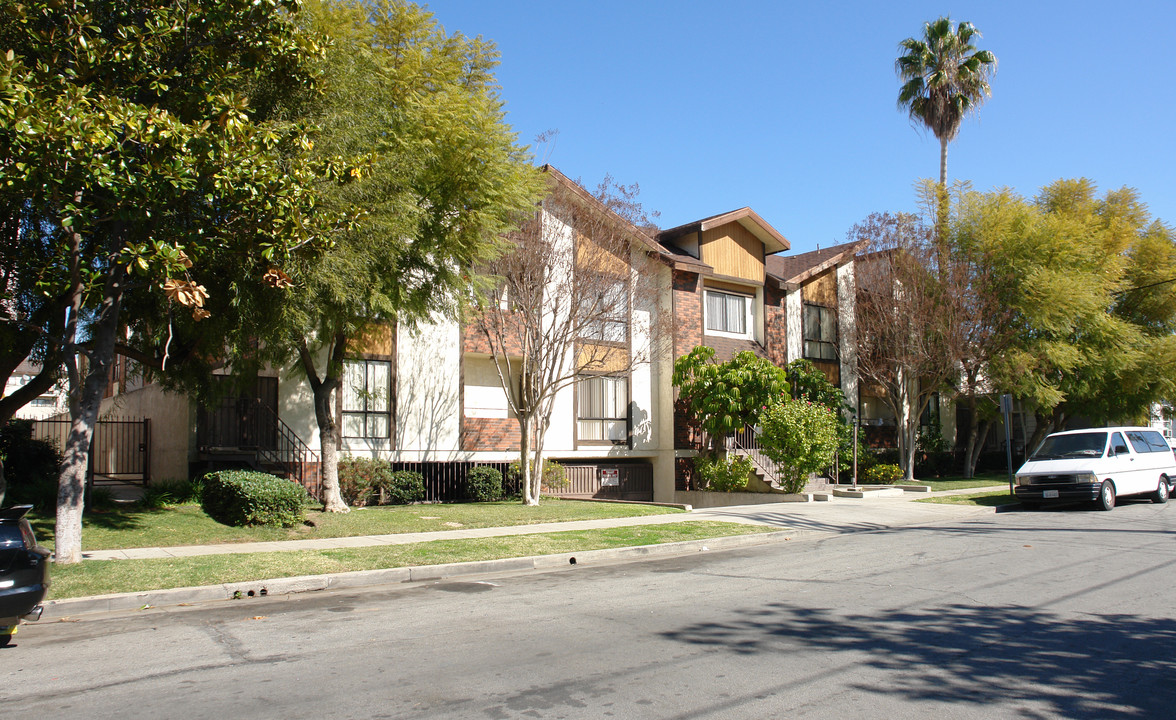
pixel 1076 667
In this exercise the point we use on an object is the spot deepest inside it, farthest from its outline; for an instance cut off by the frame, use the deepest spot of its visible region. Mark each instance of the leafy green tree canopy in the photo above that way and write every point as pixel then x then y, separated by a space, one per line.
pixel 724 397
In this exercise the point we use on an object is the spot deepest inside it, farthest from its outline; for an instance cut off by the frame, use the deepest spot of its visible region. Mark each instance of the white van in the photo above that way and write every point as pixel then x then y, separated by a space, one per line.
pixel 1098 465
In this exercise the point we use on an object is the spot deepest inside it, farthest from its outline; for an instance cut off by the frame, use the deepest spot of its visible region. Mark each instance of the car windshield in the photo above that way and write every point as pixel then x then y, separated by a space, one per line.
pixel 1072 446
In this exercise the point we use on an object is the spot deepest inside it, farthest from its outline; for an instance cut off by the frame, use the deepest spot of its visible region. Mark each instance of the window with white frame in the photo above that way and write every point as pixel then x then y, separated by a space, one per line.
pixel 603 409
pixel 728 313
pixel 366 398
pixel 820 332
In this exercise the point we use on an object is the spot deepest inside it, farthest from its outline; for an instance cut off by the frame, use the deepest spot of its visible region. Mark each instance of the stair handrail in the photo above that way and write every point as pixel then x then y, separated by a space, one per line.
pixel 751 450
pixel 291 452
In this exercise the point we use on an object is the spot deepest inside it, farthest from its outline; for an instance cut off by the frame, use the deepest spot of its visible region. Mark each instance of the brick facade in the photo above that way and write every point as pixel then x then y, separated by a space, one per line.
pixel 474 340
pixel 687 312
pixel 499 434
pixel 775 326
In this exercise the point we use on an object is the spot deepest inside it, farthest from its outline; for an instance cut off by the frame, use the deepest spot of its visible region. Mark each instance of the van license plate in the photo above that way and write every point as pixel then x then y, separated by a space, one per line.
pixel 1047 494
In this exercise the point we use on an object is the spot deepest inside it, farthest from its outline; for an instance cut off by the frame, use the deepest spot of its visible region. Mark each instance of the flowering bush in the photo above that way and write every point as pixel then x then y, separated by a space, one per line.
pixel 801 437
pixel 881 474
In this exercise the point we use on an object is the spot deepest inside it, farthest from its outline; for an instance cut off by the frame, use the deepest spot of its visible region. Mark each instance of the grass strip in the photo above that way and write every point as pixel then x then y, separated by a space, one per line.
pixel 988 499
pixel 958 483
pixel 99 577
pixel 134 527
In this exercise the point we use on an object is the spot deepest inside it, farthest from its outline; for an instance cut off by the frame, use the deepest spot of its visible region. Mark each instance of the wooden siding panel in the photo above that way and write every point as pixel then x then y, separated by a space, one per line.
pixel 821 290
pixel 733 251
pixel 376 340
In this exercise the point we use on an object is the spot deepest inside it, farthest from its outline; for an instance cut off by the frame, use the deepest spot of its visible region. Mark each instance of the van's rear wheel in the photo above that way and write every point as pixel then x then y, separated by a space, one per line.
pixel 1106 496
pixel 1160 496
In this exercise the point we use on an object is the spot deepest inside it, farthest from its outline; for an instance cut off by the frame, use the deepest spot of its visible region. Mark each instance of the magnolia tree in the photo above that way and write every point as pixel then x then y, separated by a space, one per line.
pixel 135 147
pixel 574 296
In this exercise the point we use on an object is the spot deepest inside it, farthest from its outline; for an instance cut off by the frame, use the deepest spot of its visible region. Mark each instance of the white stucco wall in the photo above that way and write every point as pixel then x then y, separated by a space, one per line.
pixel 428 391
pixel 847 331
pixel 296 404
pixel 173 427
pixel 793 324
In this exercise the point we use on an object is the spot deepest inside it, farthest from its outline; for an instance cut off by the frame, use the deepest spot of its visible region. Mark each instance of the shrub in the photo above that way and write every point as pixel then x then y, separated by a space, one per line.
pixel 555 477
pixel 30 466
pixel 361 478
pixel 243 497
pixel 801 437
pixel 401 487
pixel 483 484
pixel 881 474
pixel 726 475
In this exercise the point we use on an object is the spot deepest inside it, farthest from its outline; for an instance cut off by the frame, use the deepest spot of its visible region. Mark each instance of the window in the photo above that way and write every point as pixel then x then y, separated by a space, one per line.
pixel 367 389
pixel 727 312
pixel 820 333
pixel 603 409
pixel 606 313
pixel 1147 441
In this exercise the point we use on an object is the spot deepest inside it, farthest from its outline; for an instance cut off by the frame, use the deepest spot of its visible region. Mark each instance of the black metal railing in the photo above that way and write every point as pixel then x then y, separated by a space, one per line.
pixel 120 449
pixel 290 453
pixel 252 428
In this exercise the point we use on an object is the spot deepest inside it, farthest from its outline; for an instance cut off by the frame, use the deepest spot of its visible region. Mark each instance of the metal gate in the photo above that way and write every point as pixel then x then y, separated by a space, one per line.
pixel 120 451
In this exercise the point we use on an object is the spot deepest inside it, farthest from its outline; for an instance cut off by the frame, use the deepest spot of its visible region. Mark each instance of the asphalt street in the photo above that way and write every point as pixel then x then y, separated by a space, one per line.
pixel 1064 613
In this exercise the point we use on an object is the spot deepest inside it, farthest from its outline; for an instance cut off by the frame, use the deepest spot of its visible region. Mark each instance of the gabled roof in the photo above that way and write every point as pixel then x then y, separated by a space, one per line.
pixel 771 238
pixel 791 271
pixel 643 236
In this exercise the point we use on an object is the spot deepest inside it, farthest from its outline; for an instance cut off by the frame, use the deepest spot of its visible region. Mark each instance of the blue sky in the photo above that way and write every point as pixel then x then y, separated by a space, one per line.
pixel 789 107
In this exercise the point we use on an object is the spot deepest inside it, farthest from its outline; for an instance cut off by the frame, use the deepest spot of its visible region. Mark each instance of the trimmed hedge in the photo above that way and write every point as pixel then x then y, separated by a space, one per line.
pixel 483 484
pixel 403 487
pixel 243 497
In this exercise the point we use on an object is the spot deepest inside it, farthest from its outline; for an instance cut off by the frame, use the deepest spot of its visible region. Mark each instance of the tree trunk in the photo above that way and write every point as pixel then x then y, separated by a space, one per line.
pixel 976 440
pixel 84 406
pixel 942 208
pixel 329 444
pixel 529 497
pixel 324 414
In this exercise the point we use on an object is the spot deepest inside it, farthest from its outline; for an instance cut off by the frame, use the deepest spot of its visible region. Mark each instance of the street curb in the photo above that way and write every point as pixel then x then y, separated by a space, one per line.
pixel 119 602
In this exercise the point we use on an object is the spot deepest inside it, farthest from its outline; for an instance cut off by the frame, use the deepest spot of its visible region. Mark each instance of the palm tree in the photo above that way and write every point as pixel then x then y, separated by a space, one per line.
pixel 944 78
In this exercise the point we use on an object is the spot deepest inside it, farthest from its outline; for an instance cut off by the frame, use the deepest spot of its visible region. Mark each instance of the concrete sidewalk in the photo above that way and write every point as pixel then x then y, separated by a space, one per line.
pixel 794 520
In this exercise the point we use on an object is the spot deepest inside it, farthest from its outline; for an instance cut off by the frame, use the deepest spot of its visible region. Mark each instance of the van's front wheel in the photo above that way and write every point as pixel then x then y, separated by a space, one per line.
pixel 1106 496
pixel 1160 496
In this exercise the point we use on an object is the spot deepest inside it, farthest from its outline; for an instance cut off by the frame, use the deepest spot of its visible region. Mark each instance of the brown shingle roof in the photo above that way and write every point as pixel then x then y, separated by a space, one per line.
pixel 795 269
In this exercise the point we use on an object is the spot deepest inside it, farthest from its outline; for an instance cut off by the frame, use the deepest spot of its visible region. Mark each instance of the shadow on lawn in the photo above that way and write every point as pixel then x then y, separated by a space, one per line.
pixel 128 517
pixel 1078 667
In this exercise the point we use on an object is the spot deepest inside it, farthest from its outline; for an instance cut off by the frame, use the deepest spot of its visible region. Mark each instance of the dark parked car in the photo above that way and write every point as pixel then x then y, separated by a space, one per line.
pixel 24 571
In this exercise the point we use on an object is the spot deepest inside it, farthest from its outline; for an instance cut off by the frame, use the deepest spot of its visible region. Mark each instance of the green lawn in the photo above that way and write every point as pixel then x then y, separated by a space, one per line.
pixel 959 483
pixel 134 526
pixel 99 577
pixel 985 499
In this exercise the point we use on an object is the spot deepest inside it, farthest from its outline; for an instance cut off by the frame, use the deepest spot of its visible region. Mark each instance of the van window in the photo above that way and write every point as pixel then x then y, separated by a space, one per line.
pixel 1089 444
pixel 1118 444
pixel 1156 440
pixel 1138 442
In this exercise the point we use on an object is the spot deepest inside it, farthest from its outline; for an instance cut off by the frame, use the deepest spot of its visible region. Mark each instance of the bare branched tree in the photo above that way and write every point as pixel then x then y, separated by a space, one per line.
pixel 576 295
pixel 908 321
